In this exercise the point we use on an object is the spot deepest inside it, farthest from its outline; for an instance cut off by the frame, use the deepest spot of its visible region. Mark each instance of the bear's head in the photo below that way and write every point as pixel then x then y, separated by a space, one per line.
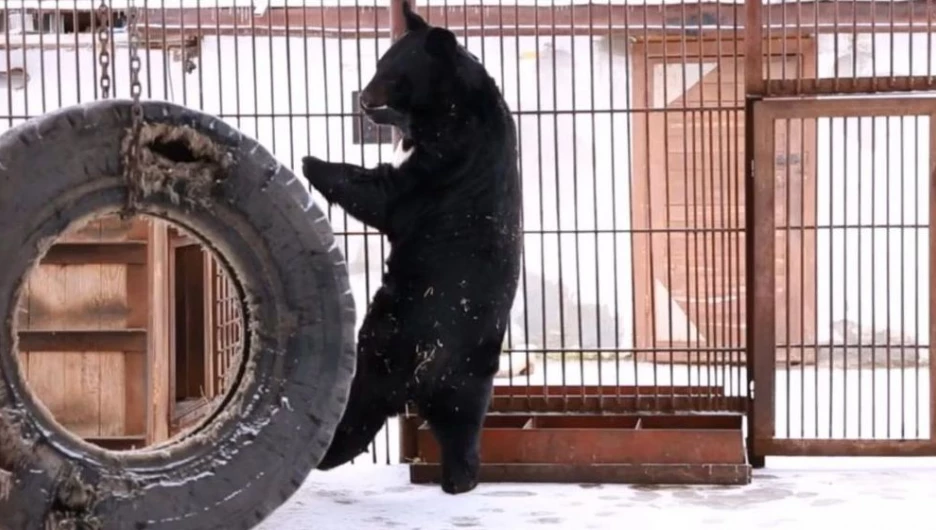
pixel 423 77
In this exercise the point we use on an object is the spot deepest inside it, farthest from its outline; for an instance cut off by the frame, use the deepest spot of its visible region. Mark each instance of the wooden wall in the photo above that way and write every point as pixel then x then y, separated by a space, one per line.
pixel 82 323
pixel 128 331
pixel 689 187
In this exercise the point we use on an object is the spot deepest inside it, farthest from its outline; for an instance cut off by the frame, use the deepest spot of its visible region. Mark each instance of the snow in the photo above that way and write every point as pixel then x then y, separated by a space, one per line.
pixel 785 495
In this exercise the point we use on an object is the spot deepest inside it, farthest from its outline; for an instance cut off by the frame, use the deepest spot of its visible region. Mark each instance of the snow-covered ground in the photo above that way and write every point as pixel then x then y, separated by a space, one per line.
pixel 871 403
pixel 789 494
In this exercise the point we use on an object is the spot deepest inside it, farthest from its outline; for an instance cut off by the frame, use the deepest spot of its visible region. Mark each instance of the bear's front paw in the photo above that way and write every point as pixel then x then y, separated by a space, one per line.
pixel 312 166
pixel 460 475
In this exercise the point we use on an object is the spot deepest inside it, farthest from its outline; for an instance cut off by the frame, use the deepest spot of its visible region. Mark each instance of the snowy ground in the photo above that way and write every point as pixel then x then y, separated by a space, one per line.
pixel 790 494
pixel 810 402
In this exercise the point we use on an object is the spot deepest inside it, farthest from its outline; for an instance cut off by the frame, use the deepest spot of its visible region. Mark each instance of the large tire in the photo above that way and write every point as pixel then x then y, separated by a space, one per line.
pixel 279 419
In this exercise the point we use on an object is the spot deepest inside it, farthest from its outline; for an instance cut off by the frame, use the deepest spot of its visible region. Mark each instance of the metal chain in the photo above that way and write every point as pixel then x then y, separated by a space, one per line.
pixel 136 110
pixel 104 37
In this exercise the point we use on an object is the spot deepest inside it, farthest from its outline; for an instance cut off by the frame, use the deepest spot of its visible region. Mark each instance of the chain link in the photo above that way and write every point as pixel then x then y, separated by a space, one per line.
pixel 132 162
pixel 104 32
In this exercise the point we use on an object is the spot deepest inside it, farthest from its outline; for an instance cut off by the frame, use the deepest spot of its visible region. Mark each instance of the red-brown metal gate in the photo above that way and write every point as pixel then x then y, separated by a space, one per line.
pixel 839 243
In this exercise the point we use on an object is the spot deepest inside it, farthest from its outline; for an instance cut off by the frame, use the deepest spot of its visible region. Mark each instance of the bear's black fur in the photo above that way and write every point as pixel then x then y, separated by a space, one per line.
pixel 451 211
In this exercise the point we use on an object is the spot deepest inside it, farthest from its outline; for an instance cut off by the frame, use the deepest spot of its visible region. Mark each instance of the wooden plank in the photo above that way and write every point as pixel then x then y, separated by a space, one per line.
pixel 210 297
pixel 46 371
pixel 118 443
pixel 640 169
pixel 135 365
pixel 102 253
pixel 159 354
pixel 128 340
pixel 108 228
pixel 111 291
pixel 113 393
pixel 81 413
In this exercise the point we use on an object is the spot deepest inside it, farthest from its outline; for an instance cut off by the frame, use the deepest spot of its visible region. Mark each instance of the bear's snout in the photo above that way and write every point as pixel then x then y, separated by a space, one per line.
pixel 371 101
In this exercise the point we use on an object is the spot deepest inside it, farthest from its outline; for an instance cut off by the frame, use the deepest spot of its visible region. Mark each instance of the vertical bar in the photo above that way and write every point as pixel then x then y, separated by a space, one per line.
pixel 887 261
pixel 557 178
pixel 761 277
pixel 874 343
pixel 757 343
pixel 804 172
pixel 916 271
pixel 667 226
pixel 595 223
pixel 629 133
pixel 735 186
pixel 932 269
pixel 831 229
pixel 860 260
pixel 397 29
pixel 575 200
pixel 753 53
pixel 845 266
pixel 787 233
pixel 903 230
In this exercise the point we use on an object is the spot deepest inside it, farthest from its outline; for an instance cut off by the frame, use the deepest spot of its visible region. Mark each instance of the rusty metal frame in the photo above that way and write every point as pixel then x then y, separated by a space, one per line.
pixel 762 298
pixel 607 448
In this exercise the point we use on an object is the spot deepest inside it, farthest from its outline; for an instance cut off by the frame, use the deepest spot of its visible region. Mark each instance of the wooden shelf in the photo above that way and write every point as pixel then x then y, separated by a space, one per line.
pixel 120 340
pixel 118 443
pixel 123 253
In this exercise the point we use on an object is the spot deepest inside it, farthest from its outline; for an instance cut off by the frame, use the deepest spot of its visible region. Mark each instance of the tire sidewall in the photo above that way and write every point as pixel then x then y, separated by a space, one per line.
pixel 299 319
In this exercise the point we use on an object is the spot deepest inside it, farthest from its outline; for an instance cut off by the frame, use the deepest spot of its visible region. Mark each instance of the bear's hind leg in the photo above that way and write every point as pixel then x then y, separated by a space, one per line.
pixel 455 413
pixel 379 388
pixel 362 420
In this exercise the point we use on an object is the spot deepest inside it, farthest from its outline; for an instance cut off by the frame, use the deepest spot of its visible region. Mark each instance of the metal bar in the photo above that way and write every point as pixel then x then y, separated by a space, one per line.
pixel 932 269
pixel 761 263
pixel 754 83
pixel 856 85
pixel 825 17
pixel 882 106
pixel 842 447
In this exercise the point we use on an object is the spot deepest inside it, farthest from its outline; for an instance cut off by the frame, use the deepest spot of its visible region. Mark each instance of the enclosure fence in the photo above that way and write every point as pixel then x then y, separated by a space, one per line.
pixel 704 223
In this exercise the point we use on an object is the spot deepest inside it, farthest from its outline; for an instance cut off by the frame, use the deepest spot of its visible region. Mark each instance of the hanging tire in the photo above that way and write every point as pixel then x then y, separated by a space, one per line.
pixel 279 418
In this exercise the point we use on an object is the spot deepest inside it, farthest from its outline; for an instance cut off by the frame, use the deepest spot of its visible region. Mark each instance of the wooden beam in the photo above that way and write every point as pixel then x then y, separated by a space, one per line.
pixel 96 254
pixel 118 443
pixel 159 347
pixel 128 340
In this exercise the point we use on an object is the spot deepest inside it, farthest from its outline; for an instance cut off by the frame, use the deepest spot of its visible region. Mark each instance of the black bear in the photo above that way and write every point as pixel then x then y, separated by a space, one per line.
pixel 450 206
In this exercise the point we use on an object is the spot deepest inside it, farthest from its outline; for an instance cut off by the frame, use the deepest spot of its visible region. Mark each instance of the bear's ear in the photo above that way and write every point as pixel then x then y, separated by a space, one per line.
pixel 414 22
pixel 441 43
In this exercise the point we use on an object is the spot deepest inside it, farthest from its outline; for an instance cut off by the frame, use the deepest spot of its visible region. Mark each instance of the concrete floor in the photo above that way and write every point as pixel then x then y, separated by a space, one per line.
pixel 789 494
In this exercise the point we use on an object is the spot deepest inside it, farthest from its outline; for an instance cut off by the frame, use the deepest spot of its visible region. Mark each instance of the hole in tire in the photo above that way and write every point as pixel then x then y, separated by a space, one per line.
pixel 174 150
pixel 131 333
